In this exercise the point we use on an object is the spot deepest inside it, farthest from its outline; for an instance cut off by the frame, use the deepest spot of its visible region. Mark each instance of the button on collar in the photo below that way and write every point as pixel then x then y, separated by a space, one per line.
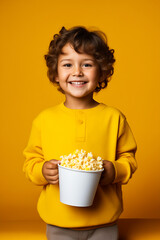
pixel 80 121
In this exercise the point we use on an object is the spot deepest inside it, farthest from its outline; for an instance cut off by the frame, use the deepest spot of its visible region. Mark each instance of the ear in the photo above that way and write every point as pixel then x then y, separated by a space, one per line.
pixel 56 79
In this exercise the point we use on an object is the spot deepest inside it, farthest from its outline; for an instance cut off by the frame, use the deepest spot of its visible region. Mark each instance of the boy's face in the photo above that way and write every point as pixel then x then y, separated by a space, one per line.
pixel 78 74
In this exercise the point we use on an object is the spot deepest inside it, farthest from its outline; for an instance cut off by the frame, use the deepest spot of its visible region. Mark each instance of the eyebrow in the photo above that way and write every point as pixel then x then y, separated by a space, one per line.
pixel 85 59
pixel 63 53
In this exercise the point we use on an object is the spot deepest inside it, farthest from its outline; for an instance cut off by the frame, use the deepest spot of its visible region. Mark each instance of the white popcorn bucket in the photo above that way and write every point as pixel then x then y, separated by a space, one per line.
pixel 78 187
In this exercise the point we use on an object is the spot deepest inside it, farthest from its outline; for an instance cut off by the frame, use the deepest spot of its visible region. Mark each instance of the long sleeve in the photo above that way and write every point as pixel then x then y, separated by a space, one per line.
pixel 125 164
pixel 102 130
pixel 34 158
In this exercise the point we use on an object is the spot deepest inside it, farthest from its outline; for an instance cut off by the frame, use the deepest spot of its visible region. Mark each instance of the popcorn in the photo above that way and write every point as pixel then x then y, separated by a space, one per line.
pixel 82 160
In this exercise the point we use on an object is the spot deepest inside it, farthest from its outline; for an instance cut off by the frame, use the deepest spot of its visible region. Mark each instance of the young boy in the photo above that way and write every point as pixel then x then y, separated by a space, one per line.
pixel 80 63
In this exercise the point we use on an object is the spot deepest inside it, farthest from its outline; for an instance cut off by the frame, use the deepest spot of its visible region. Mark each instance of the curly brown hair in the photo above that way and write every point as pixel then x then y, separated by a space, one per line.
pixel 83 41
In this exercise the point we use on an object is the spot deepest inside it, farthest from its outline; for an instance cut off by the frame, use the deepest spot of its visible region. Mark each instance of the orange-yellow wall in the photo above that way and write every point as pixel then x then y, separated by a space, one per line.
pixel 26 29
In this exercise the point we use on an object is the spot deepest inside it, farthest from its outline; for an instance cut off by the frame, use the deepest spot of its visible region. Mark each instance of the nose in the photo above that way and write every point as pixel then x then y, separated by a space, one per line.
pixel 77 71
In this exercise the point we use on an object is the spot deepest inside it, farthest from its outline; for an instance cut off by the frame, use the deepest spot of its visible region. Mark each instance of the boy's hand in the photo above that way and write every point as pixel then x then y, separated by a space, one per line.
pixel 50 171
pixel 108 174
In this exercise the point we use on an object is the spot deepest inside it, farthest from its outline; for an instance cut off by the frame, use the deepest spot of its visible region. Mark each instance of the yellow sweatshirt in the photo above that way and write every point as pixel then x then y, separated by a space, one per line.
pixel 58 131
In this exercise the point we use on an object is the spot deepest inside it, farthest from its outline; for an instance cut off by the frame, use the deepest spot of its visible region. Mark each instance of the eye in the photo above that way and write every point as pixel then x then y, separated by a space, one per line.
pixel 87 65
pixel 67 65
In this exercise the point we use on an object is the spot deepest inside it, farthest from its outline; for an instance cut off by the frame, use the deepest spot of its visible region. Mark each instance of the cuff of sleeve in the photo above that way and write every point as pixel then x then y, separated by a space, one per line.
pixel 122 171
pixel 39 178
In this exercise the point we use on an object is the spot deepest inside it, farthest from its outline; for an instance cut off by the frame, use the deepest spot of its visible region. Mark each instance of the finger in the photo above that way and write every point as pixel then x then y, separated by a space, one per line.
pixel 54 164
pixel 54 182
pixel 53 178
pixel 55 161
pixel 52 172
pixel 51 165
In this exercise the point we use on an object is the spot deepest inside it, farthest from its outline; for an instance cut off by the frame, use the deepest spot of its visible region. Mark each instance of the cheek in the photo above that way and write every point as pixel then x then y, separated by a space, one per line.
pixel 61 78
pixel 95 77
pixel 63 75
pixel 95 74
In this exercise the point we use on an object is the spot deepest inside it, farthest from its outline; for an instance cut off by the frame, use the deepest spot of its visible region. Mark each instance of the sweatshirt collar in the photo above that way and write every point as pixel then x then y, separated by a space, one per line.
pixel 95 109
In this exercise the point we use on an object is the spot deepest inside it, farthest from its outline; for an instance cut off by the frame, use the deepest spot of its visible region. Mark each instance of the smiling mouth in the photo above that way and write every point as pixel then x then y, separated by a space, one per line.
pixel 78 83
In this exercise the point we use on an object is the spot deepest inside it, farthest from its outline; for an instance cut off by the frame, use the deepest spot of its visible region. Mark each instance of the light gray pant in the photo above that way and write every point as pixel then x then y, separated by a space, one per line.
pixel 104 233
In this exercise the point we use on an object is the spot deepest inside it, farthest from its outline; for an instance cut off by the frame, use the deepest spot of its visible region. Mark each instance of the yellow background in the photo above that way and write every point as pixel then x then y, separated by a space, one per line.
pixel 26 29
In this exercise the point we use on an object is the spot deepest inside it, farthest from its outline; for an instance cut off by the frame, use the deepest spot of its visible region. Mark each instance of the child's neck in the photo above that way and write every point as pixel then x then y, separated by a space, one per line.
pixel 80 104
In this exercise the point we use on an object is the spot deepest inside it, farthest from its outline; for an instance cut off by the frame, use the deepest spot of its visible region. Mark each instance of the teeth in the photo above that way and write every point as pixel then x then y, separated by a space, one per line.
pixel 77 83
